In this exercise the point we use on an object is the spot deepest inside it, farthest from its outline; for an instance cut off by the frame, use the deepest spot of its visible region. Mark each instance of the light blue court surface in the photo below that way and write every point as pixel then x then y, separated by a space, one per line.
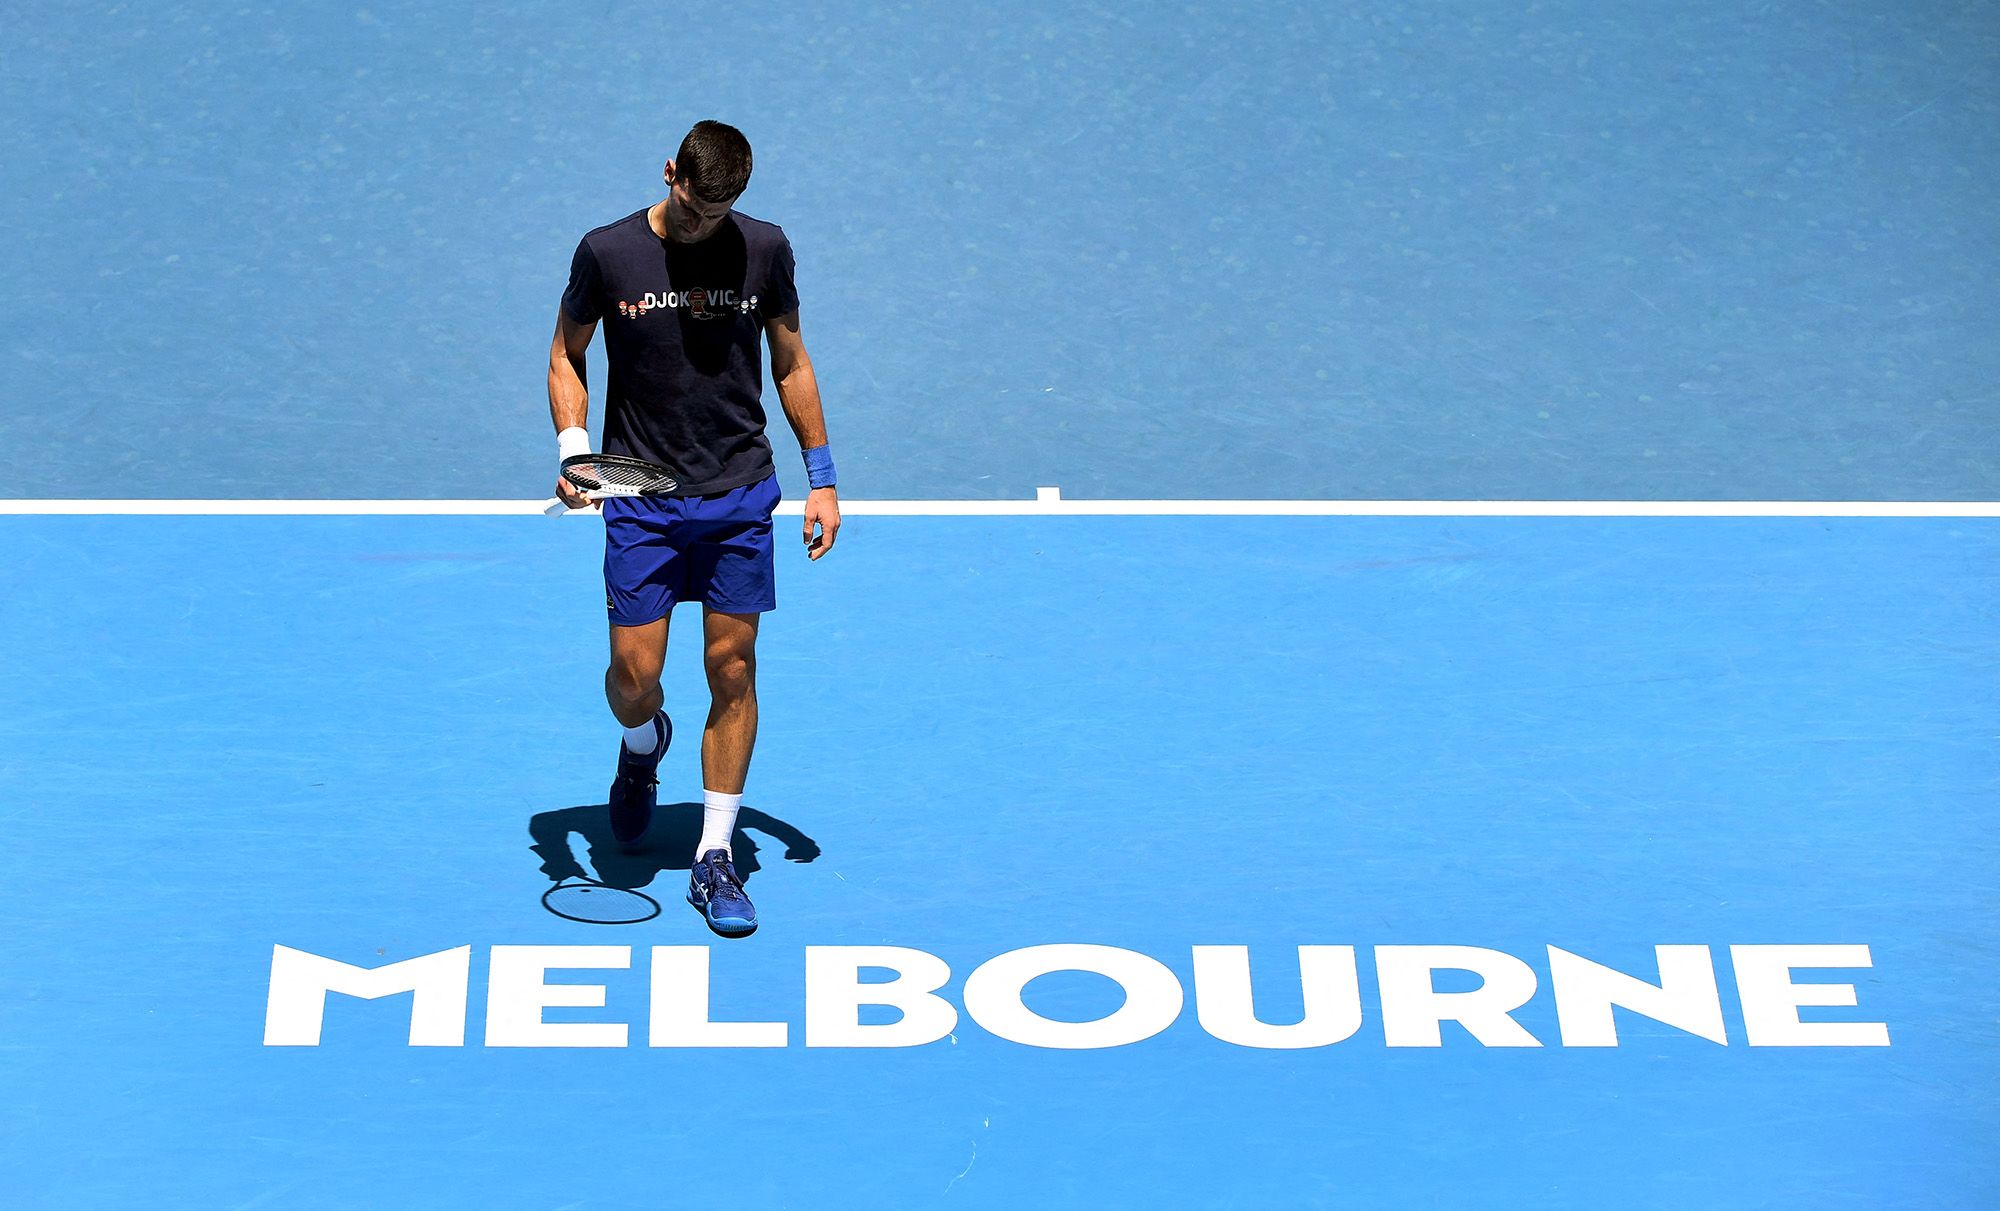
pixel 335 734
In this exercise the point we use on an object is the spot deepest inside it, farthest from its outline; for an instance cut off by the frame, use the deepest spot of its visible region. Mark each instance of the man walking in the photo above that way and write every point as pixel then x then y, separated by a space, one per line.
pixel 686 288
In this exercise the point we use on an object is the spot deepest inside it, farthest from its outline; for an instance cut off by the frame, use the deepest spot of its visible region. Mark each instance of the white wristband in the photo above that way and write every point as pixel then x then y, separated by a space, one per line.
pixel 572 442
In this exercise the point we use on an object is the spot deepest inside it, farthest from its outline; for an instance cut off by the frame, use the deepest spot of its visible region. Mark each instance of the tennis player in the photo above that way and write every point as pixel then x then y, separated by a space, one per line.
pixel 685 288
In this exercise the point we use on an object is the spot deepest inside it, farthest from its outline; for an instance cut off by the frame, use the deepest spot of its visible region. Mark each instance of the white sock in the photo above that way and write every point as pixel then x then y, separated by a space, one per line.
pixel 642 740
pixel 718 821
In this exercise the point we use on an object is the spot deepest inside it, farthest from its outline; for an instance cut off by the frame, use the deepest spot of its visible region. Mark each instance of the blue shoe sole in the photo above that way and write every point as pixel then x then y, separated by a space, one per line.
pixel 722 924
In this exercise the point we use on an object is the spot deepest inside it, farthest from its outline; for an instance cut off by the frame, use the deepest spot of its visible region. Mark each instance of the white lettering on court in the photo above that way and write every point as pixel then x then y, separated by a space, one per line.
pixel 296 1007
pixel 1684 998
pixel 1327 980
pixel 1413 1009
pixel 1152 996
pixel 1771 1000
pixel 517 991
pixel 1587 996
pixel 835 995
pixel 680 1006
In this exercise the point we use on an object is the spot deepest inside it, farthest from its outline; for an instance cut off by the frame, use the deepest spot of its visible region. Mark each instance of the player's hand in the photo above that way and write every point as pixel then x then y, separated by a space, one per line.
pixel 571 495
pixel 823 510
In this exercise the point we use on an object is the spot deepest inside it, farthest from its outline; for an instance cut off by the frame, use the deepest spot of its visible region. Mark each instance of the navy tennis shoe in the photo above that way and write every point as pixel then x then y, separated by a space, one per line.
pixel 634 791
pixel 714 888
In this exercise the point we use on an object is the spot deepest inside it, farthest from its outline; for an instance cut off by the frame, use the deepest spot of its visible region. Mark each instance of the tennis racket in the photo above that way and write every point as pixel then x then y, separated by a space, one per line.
pixel 598 476
pixel 593 903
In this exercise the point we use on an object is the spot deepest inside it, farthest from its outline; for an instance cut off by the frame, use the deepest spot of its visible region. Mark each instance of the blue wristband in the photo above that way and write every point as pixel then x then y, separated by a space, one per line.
pixel 819 466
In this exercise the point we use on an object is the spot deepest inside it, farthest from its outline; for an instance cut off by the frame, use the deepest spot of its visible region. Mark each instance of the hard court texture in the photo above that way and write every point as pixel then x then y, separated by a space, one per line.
pixel 1145 733
pixel 1201 252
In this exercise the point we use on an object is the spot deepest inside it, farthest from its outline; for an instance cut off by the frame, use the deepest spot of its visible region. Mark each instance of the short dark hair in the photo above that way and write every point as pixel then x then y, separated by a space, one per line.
pixel 714 160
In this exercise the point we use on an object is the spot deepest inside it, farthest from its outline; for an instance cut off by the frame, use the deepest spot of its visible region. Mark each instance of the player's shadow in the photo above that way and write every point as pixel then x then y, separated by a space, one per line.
pixel 668 844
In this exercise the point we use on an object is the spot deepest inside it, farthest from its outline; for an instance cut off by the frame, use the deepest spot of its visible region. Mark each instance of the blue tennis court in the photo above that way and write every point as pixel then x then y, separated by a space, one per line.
pixel 1416 622
pixel 349 737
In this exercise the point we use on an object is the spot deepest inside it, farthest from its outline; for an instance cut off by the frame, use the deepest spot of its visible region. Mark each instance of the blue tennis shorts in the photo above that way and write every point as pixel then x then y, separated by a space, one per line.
pixel 662 550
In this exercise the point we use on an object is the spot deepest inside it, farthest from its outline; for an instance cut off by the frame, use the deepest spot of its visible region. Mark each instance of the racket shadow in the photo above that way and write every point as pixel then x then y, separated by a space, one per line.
pixel 667 847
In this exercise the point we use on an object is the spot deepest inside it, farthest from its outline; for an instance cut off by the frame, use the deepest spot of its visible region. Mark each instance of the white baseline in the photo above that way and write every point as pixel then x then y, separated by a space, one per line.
pixel 1048 502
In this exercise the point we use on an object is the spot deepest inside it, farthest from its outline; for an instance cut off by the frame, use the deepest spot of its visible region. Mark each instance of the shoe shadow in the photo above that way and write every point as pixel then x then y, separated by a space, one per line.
pixel 668 844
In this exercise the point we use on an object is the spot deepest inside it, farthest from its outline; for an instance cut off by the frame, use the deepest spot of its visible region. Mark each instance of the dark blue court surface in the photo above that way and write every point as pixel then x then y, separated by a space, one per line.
pixel 369 739
pixel 1691 250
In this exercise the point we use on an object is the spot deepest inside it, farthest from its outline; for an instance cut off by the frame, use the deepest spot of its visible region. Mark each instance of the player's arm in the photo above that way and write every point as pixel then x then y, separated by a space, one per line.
pixel 798 395
pixel 569 395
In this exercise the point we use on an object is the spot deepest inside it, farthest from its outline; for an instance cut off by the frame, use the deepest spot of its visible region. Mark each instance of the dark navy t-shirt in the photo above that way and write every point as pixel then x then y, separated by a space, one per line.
pixel 683 328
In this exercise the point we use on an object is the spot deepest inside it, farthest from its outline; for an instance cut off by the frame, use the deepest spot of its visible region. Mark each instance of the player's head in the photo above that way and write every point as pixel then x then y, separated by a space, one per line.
pixel 704 178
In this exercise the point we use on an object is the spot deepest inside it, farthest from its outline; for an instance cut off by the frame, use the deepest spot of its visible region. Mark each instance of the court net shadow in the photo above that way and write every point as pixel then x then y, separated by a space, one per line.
pixel 667 846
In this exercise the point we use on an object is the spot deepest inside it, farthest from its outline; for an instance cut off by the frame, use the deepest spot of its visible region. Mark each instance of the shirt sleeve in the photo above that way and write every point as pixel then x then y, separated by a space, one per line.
pixel 781 294
pixel 583 298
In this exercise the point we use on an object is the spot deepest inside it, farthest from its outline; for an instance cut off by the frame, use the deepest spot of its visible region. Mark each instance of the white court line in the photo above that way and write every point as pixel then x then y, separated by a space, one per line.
pixel 1048 502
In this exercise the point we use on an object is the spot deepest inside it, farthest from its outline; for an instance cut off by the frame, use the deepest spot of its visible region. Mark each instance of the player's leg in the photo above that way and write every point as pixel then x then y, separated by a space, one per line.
pixel 632 687
pixel 729 656
pixel 641 565
pixel 632 680
pixel 732 573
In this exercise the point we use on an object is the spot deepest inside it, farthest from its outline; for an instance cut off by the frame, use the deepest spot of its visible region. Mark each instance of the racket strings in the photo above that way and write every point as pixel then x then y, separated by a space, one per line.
pixel 609 476
pixel 624 477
